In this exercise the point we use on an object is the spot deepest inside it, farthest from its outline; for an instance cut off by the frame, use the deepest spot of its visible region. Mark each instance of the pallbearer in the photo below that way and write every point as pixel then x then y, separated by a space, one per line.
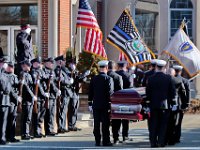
pixel 100 90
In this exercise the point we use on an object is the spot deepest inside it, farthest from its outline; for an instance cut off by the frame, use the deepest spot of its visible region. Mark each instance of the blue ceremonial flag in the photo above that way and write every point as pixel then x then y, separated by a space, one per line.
pixel 126 38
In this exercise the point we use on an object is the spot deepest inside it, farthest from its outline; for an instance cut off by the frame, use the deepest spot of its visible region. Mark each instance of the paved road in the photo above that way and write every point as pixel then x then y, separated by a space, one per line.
pixel 138 131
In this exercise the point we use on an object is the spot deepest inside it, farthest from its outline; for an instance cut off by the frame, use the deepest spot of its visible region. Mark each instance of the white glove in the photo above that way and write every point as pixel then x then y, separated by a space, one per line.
pixel 87 73
pixel 34 98
pixel 146 109
pixel 133 76
pixel 19 99
pixel 22 81
pixel 71 81
pixel 174 107
pixel 90 109
pixel 47 95
pixel 59 92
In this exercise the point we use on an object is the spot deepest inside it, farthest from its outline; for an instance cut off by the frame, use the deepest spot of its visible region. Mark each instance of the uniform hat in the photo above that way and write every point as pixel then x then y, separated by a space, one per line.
pixel 103 63
pixel 11 64
pixel 59 58
pixel 178 67
pixel 38 59
pixel 25 26
pixel 26 62
pixel 161 63
pixel 50 59
pixel 153 61
pixel 122 63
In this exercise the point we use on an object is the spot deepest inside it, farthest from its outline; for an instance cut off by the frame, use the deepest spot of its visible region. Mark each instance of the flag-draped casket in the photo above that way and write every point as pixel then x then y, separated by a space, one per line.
pixel 127 104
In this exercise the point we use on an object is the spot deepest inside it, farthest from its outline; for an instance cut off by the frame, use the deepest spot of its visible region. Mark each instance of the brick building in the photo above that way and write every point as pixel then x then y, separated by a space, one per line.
pixel 50 21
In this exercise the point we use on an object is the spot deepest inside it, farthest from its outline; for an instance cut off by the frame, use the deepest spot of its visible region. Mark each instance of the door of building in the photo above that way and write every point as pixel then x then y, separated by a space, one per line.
pixel 8 40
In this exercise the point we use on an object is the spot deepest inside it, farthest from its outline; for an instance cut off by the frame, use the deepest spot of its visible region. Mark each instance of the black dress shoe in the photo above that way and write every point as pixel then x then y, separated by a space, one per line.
pixel 51 134
pixel 2 142
pixel 38 136
pixel 65 130
pixel 75 129
pixel 61 131
pixel 107 144
pixel 97 144
pixel 26 137
pixel 14 140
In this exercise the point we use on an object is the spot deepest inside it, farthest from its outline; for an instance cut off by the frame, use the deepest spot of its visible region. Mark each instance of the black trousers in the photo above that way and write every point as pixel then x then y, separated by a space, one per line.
pixel 38 118
pixel 50 117
pixel 3 122
pixel 179 120
pixel 170 134
pixel 158 126
pixel 11 126
pixel 73 111
pixel 63 113
pixel 101 116
pixel 116 123
pixel 26 118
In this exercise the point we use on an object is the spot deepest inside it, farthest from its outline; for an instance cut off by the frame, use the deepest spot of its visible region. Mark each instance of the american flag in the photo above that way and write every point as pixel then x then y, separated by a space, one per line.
pixel 122 57
pixel 125 37
pixel 86 17
pixel 93 43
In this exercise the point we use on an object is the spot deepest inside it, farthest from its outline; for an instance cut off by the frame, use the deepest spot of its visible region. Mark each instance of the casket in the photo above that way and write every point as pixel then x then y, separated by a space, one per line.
pixel 127 104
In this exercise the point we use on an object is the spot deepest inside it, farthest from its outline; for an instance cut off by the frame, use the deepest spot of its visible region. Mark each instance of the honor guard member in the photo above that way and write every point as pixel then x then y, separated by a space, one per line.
pixel 150 72
pixel 12 114
pixel 100 89
pixel 2 64
pixel 139 75
pixel 38 78
pixel 28 99
pixel 24 46
pixel 6 90
pixel 66 92
pixel 160 92
pixel 74 101
pixel 183 101
pixel 54 92
pixel 118 85
pixel 122 71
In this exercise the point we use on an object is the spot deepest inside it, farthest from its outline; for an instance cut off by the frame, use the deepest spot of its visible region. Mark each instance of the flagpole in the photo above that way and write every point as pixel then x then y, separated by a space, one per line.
pixel 75 36
pixel 190 80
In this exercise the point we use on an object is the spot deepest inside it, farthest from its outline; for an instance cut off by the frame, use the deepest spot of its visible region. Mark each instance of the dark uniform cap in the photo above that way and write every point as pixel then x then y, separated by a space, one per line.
pixel 59 58
pixel 25 26
pixel 38 59
pixel 26 62
pixel 50 59
pixel 122 63
pixel 11 64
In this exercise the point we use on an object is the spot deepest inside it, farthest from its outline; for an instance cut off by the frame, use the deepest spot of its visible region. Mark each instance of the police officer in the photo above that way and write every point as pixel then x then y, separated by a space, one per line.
pixel 24 44
pixel 28 99
pixel 183 101
pixel 66 92
pixel 100 89
pixel 74 101
pixel 38 78
pixel 160 92
pixel 150 72
pixel 118 85
pixel 122 71
pixel 139 75
pixel 54 92
pixel 12 114
pixel 6 90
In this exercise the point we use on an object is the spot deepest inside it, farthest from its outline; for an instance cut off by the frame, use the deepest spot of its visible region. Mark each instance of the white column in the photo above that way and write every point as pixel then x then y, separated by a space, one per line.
pixel 53 28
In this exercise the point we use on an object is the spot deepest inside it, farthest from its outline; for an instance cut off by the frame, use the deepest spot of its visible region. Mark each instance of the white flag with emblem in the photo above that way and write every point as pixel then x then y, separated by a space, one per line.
pixel 185 52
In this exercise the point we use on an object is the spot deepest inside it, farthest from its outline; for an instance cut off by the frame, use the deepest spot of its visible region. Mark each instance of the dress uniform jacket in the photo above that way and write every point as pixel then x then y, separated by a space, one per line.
pixel 147 74
pixel 100 90
pixel 118 82
pixel 126 79
pixel 24 47
pixel 27 91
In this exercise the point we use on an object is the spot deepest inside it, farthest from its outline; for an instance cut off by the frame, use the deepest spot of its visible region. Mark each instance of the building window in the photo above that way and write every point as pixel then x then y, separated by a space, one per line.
pixel 146 21
pixel 16 14
pixel 180 9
